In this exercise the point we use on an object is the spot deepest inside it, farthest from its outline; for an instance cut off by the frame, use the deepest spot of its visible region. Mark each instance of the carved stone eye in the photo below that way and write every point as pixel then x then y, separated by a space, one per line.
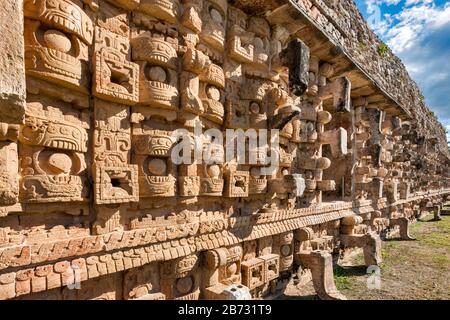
pixel 259 44
pixel 157 167
pixel 157 74
pixel 213 93
pixel 213 171
pixel 57 40
pixel 52 129
pixel 255 172
pixel 64 130
pixel 76 134
pixel 285 250
pixel 184 285
pixel 254 108
pixel 60 163
pixel 216 16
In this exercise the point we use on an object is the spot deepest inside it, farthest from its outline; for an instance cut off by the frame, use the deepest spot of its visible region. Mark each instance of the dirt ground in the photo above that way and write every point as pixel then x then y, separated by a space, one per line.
pixel 411 270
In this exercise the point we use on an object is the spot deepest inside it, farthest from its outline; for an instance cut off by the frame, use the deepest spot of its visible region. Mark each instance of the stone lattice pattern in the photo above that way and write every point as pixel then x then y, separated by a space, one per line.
pixel 91 92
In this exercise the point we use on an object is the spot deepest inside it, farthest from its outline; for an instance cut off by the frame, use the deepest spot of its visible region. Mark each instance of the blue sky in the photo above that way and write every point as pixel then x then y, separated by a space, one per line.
pixel 418 31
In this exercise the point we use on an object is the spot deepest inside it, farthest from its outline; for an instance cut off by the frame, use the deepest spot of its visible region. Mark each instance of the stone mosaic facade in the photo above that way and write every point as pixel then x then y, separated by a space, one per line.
pixel 92 205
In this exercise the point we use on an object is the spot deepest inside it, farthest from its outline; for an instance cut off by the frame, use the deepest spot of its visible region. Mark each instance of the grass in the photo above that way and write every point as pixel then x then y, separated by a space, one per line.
pixel 341 278
pixel 441 261
pixel 382 49
pixel 437 236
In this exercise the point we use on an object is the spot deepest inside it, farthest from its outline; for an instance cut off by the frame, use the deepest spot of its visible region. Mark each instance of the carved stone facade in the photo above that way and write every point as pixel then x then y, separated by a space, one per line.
pixel 93 204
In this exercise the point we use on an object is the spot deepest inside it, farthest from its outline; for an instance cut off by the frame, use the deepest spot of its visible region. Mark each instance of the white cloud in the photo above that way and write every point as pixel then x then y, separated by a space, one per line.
pixel 420 35
pixel 414 23
pixel 417 19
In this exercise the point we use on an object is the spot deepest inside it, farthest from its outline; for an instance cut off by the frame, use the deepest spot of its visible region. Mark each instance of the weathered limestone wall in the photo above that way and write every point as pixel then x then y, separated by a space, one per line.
pixel 94 206
pixel 12 67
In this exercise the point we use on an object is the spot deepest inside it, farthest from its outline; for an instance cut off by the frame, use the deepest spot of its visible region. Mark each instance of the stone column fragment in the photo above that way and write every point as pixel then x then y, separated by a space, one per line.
pixel 321 265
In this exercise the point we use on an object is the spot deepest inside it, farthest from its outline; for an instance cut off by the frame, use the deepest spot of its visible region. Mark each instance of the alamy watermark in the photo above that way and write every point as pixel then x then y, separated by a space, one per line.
pixel 211 147
pixel 374 279
pixel 73 278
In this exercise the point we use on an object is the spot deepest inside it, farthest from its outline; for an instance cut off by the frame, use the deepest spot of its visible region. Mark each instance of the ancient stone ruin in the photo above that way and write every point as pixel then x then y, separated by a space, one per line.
pixel 92 203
